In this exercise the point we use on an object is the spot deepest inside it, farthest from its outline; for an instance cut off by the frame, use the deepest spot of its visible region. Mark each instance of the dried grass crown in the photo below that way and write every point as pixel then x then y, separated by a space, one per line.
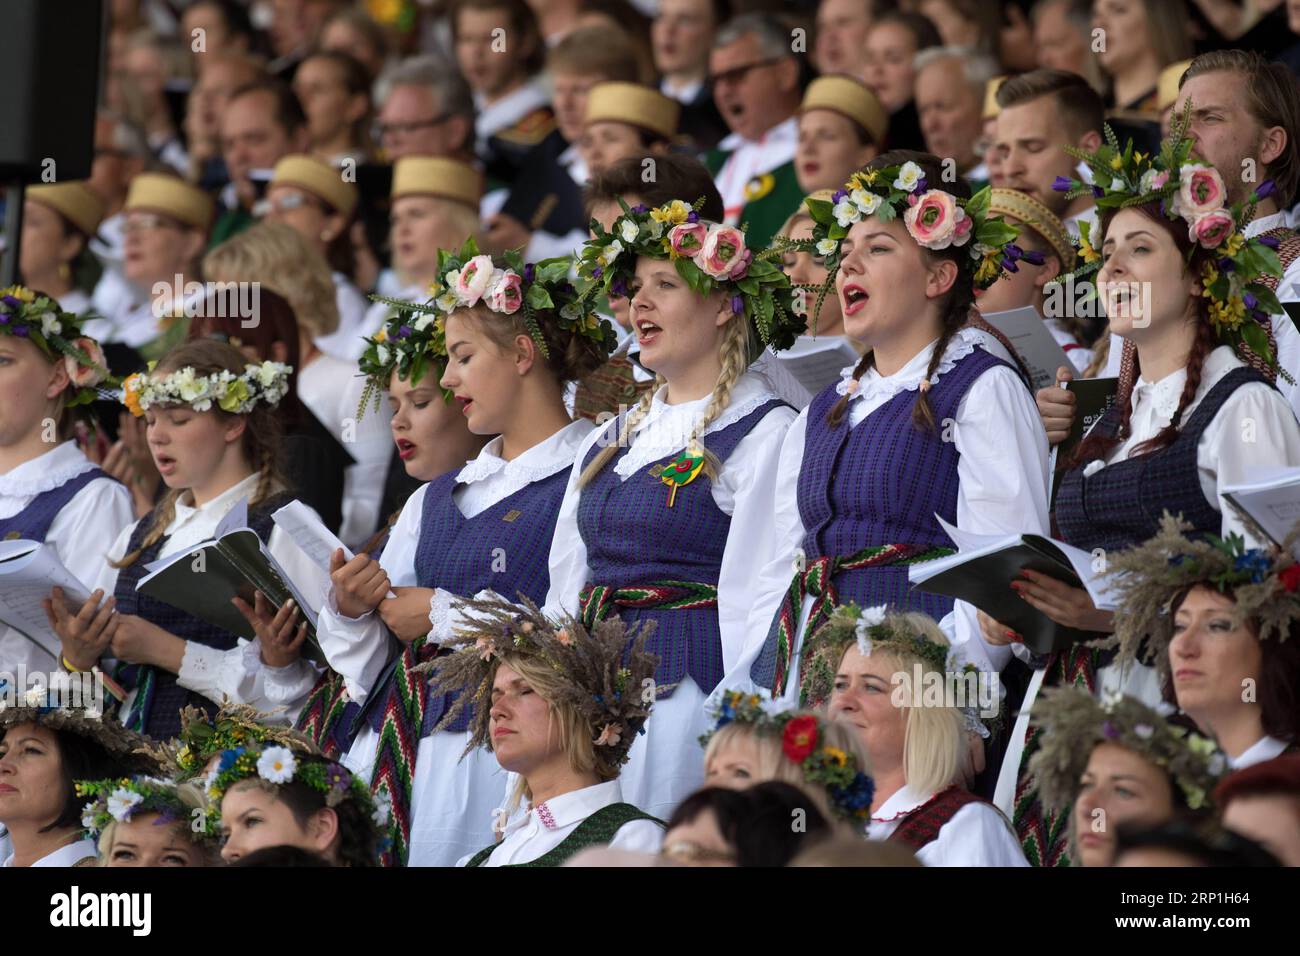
pixel 1238 276
pixel 1073 722
pixel 413 340
pixel 48 707
pixel 708 256
pixel 605 674
pixel 57 333
pixel 1263 583
pixel 235 725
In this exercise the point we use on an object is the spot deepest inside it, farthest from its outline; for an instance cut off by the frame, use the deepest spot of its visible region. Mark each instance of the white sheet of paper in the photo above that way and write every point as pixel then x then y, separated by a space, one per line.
pixel 817 362
pixel 314 539
pixel 1271 496
pixel 1033 340
pixel 28 572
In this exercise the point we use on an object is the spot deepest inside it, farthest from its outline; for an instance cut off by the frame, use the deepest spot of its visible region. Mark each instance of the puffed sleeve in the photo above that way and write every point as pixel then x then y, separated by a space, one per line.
pixel 977 835
pixel 568 558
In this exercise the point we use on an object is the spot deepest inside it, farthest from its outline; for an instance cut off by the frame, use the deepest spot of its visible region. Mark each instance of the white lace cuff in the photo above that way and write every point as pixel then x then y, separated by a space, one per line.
pixel 201 668
pixel 439 616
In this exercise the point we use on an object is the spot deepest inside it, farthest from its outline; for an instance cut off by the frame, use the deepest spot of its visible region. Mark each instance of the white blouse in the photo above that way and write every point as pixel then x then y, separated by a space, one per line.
pixel 743 490
pixel 97 513
pixel 1002 489
pixel 977 834
pixel 359 648
pixel 69 855
pixel 239 672
pixel 1266 748
pixel 544 827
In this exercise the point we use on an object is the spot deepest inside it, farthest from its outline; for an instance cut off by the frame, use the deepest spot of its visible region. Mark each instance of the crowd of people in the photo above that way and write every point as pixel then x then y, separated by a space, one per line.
pixel 631 358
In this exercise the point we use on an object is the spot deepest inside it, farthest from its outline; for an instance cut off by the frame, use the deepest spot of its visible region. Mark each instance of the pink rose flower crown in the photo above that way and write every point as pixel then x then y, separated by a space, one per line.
pixel 413 339
pixel 934 217
pixel 708 256
pixel 38 318
pixel 1238 278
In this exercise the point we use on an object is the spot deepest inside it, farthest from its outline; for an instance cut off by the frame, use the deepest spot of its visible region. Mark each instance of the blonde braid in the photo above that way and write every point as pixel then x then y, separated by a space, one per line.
pixel 734 353
pixel 160 518
pixel 630 421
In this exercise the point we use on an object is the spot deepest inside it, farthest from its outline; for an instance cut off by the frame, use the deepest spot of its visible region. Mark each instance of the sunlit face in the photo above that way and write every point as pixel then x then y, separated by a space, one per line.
pixel 1143 284
pixel 485 69
pixel 1117 787
pixel 188 446
pixel 251 138
pixel 841 36
pixel 862 699
pixel 483 377
pixel 950 111
pixel 804 268
pixel 605 142
pixel 32 789
pixel 253 818
pixel 681 35
pixel 146 839
pixel 569 101
pixel 523 731
pixel 735 764
pixel 699 842
pixel 156 247
pixel 883 281
pixel 1058 43
pixel 1226 134
pixel 29 383
pixel 674 326
pixel 829 150
pixel 1213 663
pixel 330 108
pixel 423 425
pixel 1030 142
pixel 1270 819
pixel 888 71
pixel 1127 33
pixel 46 242
pixel 414 228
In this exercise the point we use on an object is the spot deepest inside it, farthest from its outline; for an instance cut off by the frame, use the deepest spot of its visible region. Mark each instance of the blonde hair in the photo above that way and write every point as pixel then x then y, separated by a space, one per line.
pixel 275 255
pixel 191 797
pixel 855 851
pixel 456 221
pixel 773 763
pixel 739 347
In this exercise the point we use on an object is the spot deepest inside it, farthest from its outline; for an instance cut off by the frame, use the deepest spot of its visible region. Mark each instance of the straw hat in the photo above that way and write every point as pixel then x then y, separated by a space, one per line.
pixel 850 97
pixel 74 201
pixel 158 192
pixel 436 176
pixel 318 178
pixel 634 104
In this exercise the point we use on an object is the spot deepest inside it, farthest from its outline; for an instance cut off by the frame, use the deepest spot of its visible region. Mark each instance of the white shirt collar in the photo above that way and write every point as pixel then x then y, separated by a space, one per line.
pixel 68 855
pixel 569 809
pixel 1266 748
pixel 544 459
pixel 683 94
pixel 908 378
pixel 214 510
pixel 511 108
pixel 1166 392
pixel 903 801
pixel 46 472
pixel 1262 224
pixel 785 132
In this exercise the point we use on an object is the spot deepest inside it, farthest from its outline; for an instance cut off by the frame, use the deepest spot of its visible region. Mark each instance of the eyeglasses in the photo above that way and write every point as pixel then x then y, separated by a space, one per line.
pixel 738 73
pixel 139 222
pixel 381 130
pixel 286 202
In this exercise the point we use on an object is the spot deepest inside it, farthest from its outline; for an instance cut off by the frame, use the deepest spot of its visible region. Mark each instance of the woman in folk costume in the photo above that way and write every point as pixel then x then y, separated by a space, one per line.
pixel 50 492
pixel 214 438
pixel 667 505
pixel 1111 763
pixel 1198 411
pixel 927 424
pixel 559 705
pixel 881 673
pixel 514 335
pixel 147 821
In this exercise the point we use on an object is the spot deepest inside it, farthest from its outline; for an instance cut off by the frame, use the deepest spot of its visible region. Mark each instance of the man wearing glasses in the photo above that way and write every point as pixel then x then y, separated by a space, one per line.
pixel 755 78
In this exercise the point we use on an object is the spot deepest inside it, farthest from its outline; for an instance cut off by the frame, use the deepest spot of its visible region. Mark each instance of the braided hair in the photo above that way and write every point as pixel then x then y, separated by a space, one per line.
pixel 956 305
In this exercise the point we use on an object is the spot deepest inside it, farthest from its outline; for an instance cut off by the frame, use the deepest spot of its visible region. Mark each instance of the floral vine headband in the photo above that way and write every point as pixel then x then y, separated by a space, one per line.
pixel 235 725
pixel 414 338
pixel 1264 584
pixel 40 320
pixel 275 765
pixel 1074 722
pixel 707 256
pixel 850 789
pixel 605 674
pixel 935 218
pixel 119 799
pixel 1236 280
pixel 236 394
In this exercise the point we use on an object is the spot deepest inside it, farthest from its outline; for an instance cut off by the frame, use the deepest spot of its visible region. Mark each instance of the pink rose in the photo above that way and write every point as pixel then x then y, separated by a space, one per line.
pixel 1201 190
pixel 471 282
pixel 688 238
pixel 86 376
pixel 724 255
pixel 962 230
pixel 933 220
pixel 507 294
pixel 1211 229
pixel 1160 179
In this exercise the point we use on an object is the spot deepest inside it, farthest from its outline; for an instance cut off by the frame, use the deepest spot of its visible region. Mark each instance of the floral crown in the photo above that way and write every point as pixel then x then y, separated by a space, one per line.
pixel 203 736
pixel 1264 584
pixel 40 320
pixel 50 706
pixel 235 394
pixel 1238 278
pixel 415 335
pixel 1074 721
pixel 605 674
pixel 708 257
pixel 935 218
pixel 119 799
pixel 850 789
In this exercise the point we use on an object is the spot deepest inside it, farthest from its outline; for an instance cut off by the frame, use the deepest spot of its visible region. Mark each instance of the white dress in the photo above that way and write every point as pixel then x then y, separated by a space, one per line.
pixel 977 834
pixel 1226 453
pixel 453 802
pixel 95 515
pixel 665 763
pixel 1002 475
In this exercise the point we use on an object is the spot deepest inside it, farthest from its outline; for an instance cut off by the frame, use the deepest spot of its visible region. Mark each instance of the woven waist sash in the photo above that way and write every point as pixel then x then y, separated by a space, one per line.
pixel 817 580
pixel 597 601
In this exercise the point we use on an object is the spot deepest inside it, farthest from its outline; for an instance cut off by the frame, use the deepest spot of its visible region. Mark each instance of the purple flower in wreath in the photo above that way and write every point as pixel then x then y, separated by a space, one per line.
pixel 20 331
pixel 12 302
pixel 1226 265
pixel 640 209
pixel 619 287
pixel 529 273
pixel 1098 192
pixel 839 195
pixel 597 272
pixel 1270 241
pixel 692 216
pixel 1265 189
pixel 1062 185
pixel 1013 251
pixel 921 186
pixel 1009 265
pixel 4 318
pixel 737 305
pixel 1033 257
pixel 403 332
pixel 336 777
pixel 1109 731
pixel 1250 301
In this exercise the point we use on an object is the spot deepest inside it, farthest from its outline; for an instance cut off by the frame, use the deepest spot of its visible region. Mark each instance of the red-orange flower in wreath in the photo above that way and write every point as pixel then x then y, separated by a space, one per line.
pixel 1290 578
pixel 800 738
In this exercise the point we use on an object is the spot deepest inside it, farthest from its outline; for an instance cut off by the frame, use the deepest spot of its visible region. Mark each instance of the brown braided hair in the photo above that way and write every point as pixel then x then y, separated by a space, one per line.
pixel 261 440
pixel 957 303
pixel 1096 446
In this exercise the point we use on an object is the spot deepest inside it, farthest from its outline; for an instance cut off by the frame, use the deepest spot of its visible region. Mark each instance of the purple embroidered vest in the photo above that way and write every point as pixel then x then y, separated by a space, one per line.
pixel 33 522
pixel 158 714
pixel 633 537
pixel 1120 506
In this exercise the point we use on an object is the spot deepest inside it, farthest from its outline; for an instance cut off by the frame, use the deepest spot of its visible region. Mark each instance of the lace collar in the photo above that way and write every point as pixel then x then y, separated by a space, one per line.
pixel 908 378
pixel 537 463
pixel 46 472
pixel 1164 394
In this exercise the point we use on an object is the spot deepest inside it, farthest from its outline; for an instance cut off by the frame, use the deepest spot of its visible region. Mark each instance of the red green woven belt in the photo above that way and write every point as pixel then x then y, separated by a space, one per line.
pixel 597 602
pixel 817 580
